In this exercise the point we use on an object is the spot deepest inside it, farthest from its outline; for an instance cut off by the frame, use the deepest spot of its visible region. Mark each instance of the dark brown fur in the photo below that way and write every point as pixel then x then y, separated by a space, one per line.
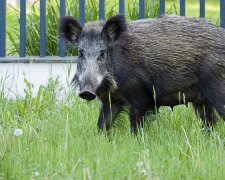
pixel 166 56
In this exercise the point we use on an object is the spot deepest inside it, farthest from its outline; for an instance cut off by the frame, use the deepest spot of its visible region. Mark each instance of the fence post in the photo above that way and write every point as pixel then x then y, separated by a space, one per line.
pixel 182 7
pixel 42 27
pixel 222 13
pixel 22 28
pixel 141 9
pixel 101 9
pixel 2 27
pixel 62 12
pixel 82 11
pixel 202 8
pixel 121 7
pixel 162 7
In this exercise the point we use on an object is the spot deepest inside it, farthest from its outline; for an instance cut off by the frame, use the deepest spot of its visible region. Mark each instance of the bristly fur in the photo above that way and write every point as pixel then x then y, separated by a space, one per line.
pixel 175 55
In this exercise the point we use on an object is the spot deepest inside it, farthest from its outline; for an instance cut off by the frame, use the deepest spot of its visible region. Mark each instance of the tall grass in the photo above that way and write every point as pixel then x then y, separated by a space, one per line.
pixel 60 141
pixel 52 17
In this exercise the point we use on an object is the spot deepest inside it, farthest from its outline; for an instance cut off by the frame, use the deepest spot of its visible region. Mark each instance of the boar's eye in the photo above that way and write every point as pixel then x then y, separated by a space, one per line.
pixel 102 53
pixel 81 53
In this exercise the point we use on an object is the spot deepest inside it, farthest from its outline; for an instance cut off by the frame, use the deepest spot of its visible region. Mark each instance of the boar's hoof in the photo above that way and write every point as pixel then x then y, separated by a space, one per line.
pixel 87 95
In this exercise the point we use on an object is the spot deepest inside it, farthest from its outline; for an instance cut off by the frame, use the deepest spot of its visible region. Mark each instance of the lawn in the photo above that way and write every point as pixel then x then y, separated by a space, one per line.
pixel 60 140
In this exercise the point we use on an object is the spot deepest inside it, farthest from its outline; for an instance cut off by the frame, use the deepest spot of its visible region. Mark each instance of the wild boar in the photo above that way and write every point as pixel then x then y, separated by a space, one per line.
pixel 145 64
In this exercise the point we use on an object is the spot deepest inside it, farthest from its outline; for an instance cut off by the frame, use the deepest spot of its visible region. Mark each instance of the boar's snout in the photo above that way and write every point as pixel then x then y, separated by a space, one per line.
pixel 87 94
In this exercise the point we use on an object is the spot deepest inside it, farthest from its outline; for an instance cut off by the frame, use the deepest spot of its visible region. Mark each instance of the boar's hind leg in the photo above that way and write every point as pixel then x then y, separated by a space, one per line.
pixel 206 112
pixel 137 119
pixel 217 99
pixel 108 114
pixel 212 85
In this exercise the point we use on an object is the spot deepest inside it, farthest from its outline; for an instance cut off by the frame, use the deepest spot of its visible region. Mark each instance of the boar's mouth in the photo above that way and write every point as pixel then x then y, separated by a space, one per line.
pixel 108 85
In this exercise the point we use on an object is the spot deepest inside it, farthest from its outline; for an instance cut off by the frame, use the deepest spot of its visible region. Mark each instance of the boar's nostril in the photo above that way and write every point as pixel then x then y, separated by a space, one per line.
pixel 87 95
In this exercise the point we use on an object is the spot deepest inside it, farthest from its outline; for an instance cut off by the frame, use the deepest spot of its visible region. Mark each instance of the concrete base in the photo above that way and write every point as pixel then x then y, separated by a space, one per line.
pixel 12 76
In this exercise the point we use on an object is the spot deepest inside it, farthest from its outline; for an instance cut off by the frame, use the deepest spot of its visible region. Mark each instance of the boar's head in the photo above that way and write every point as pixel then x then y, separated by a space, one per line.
pixel 92 76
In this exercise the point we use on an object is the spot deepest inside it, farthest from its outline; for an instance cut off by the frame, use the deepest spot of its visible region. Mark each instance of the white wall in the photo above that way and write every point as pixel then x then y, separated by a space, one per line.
pixel 12 75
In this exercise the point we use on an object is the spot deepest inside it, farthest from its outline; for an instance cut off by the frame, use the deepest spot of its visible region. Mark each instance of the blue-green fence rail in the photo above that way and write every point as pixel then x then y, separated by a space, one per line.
pixel 62 56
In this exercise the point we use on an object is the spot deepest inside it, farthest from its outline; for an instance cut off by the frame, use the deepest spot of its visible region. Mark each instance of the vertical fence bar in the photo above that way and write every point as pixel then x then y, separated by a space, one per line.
pixel 62 12
pixel 182 7
pixel 82 11
pixel 141 9
pixel 22 28
pixel 162 7
pixel 202 8
pixel 2 27
pixel 42 27
pixel 222 13
pixel 101 9
pixel 121 7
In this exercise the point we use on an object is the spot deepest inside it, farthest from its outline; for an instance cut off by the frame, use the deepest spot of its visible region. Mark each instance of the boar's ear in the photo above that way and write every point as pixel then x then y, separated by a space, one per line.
pixel 69 29
pixel 113 27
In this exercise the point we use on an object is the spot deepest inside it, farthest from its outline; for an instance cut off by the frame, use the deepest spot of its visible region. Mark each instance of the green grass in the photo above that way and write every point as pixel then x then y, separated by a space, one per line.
pixel 60 141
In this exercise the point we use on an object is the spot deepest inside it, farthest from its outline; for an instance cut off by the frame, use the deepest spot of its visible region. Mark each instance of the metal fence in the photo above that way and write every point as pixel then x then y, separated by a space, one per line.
pixel 62 58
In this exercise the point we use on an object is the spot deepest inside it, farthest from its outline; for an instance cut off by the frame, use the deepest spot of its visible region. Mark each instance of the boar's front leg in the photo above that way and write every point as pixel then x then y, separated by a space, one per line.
pixel 109 112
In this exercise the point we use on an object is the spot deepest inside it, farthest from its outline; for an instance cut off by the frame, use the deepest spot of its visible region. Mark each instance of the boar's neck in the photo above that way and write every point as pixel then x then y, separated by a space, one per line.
pixel 127 58
pixel 129 69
